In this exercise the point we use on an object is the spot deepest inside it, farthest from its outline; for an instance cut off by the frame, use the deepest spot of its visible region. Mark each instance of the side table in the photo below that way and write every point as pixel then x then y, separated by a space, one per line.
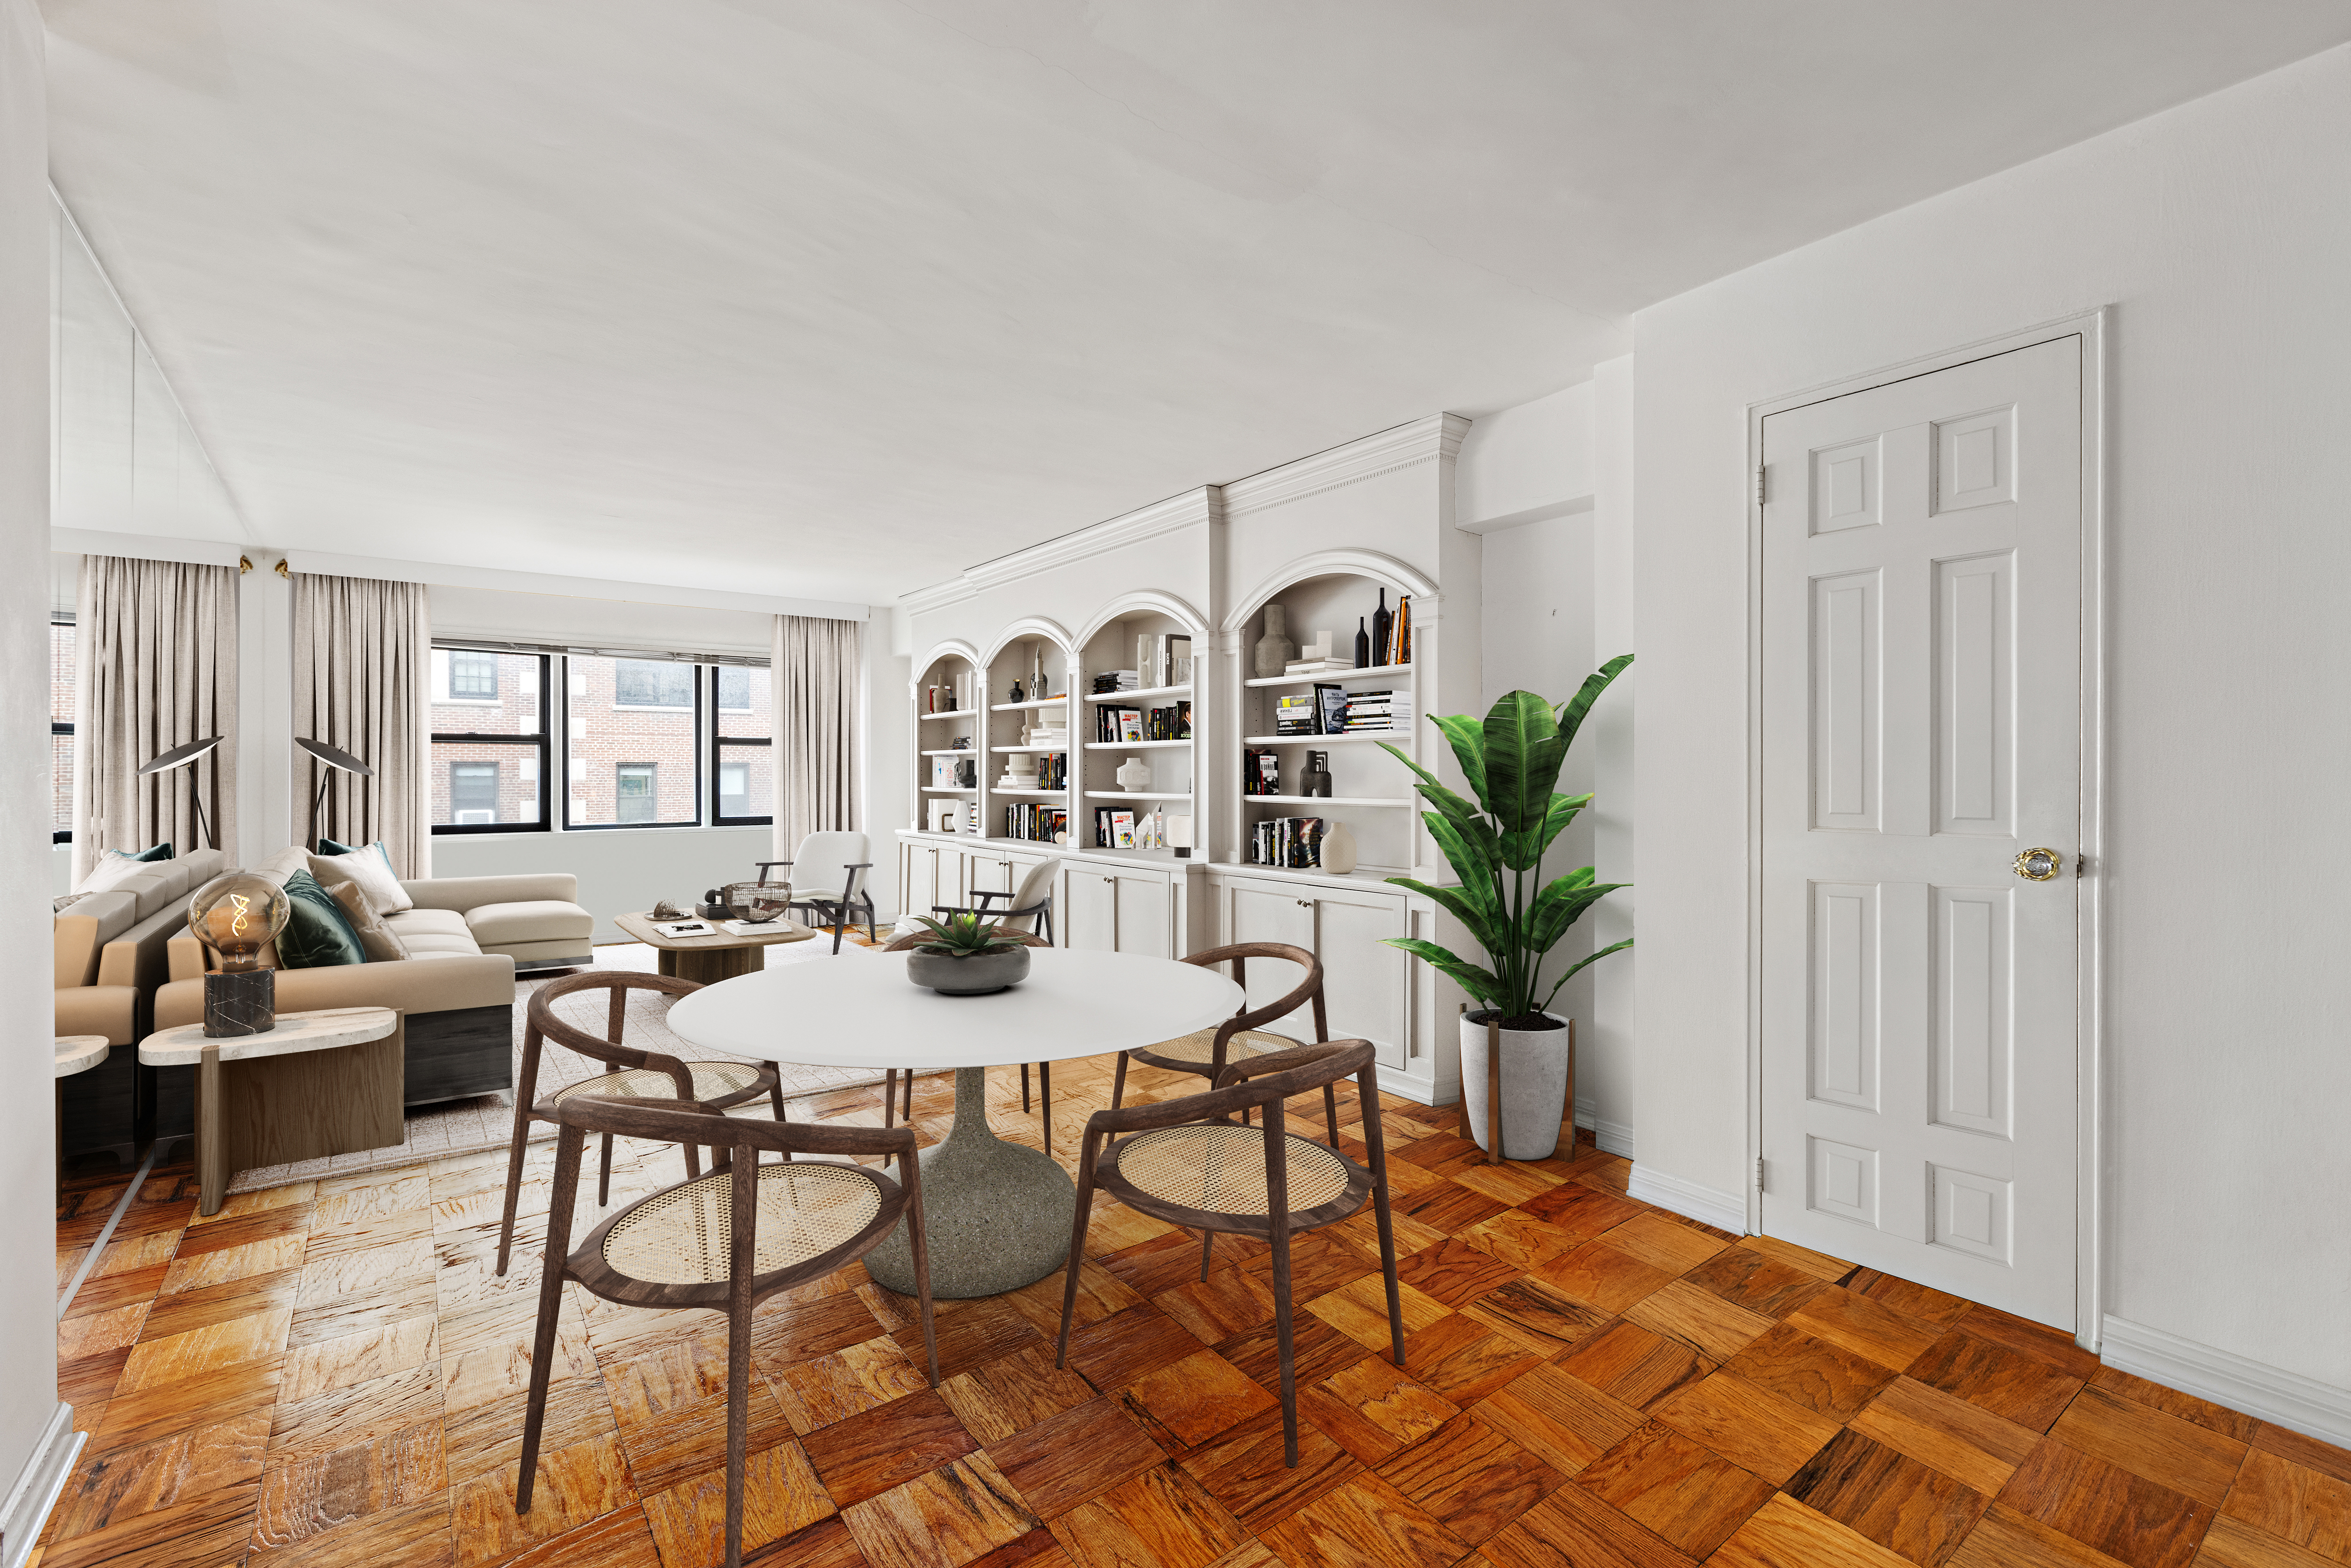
pixel 76 1053
pixel 324 1083
pixel 721 956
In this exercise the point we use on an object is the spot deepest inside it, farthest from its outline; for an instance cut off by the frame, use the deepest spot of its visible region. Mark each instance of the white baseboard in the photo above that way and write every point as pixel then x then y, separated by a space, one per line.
pixel 37 1487
pixel 1723 1210
pixel 2314 1409
pixel 1613 1137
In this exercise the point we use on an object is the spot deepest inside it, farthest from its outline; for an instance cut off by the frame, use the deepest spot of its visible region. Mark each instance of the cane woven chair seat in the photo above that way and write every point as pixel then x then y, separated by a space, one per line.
pixel 1201 1046
pixel 713 1081
pixel 1219 1167
pixel 686 1235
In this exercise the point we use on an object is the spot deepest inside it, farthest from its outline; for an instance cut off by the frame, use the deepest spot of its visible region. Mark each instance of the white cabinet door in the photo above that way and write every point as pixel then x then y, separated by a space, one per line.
pixel 1146 914
pixel 918 878
pixel 1090 908
pixel 1269 911
pixel 989 872
pixel 1366 985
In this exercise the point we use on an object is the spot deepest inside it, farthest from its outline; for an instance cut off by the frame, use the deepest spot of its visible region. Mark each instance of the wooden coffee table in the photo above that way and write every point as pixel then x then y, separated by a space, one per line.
pixel 721 956
pixel 325 1083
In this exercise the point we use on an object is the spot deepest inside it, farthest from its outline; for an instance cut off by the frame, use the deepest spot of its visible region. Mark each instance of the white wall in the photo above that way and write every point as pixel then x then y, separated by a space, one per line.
pixel 2221 231
pixel 28 1374
pixel 620 871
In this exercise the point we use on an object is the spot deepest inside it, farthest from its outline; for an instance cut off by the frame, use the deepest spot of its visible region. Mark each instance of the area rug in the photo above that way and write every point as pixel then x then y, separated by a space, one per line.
pixel 477 1125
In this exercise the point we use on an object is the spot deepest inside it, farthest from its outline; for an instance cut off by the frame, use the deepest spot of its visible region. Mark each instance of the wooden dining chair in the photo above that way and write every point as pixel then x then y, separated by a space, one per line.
pixel 1207 1051
pixel 1185 1162
pixel 1044 1068
pixel 723 1241
pixel 720 1085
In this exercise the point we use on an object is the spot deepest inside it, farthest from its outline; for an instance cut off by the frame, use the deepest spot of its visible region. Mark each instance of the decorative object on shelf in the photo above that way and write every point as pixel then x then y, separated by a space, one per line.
pixel 1512 759
pixel 180 757
pixel 1315 780
pixel 1275 650
pixel 1016 696
pixel 1383 623
pixel 336 760
pixel 1134 775
pixel 967 956
pixel 1401 651
pixel 960 743
pixel 1338 848
pixel 1362 645
pixel 237 916
pixel 1179 836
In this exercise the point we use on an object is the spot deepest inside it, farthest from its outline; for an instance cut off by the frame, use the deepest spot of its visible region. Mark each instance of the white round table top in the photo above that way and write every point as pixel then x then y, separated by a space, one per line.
pixel 80 1052
pixel 862 1011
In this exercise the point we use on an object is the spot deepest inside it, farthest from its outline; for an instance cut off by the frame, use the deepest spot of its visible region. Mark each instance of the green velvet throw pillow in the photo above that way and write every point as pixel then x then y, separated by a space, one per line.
pixel 316 933
pixel 329 847
pixel 159 852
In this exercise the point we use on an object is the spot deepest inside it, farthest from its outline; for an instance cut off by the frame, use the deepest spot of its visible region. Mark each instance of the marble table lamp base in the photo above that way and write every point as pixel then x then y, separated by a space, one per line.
pixel 996 1214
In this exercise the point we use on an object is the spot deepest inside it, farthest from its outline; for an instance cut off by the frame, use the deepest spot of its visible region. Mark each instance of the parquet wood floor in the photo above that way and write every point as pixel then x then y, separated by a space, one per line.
pixel 329 1374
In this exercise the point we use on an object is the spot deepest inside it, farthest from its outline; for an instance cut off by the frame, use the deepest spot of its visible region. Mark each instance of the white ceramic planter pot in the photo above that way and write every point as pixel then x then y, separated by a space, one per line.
pixel 1534 1086
pixel 972 977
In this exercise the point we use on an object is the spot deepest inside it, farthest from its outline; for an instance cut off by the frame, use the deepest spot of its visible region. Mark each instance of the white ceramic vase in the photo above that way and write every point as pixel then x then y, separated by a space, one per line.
pixel 1134 775
pixel 1537 1070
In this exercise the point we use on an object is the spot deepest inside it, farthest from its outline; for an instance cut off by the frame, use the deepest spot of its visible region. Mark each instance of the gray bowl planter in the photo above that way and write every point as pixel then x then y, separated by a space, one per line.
pixel 974 976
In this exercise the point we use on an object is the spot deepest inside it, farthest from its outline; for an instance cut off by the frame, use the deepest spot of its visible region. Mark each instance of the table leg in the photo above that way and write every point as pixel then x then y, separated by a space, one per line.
pixel 211 1152
pixel 665 962
pixel 997 1214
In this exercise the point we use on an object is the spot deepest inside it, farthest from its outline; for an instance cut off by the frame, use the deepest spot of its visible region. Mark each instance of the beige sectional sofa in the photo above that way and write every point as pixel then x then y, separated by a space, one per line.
pixel 110 951
pixel 466 938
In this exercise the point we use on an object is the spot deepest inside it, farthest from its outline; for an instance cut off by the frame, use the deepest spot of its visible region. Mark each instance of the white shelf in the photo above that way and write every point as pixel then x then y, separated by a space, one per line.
pixel 1123 697
pixel 951 752
pixel 1023 707
pixel 1320 800
pixel 1133 744
pixel 942 790
pixel 951 713
pixel 1130 795
pixel 1328 739
pixel 1047 750
pixel 1030 794
pixel 1374 672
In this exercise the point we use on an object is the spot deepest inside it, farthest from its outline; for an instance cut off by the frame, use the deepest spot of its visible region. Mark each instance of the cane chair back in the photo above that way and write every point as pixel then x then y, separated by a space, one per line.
pixel 723 1241
pixel 636 1074
pixel 1206 1053
pixel 1186 1162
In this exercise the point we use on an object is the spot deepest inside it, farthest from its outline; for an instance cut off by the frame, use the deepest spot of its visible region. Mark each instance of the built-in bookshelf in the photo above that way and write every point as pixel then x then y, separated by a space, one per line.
pixel 949 695
pixel 1370 790
pixel 1152 722
pixel 1027 775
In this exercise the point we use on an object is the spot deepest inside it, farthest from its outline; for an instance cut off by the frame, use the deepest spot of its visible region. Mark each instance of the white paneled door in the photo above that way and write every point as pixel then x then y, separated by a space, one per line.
pixel 1921 689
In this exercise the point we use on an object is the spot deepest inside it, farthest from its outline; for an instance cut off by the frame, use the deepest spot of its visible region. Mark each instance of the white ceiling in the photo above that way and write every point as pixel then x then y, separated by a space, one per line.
pixel 832 298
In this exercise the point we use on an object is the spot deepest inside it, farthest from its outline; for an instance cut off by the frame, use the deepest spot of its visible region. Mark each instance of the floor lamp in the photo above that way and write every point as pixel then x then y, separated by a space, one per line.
pixel 180 757
pixel 332 757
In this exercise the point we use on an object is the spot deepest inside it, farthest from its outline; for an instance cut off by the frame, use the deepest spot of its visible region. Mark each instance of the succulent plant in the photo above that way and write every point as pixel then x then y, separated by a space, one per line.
pixel 967 936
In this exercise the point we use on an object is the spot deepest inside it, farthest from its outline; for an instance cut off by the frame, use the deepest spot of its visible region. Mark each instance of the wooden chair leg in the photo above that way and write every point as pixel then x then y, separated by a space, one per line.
pixel 738 1412
pixel 1045 1098
pixel 1388 1266
pixel 1207 1244
pixel 1118 1082
pixel 1286 1345
pixel 918 1242
pixel 1330 1112
pixel 1077 1249
pixel 1024 1086
pixel 889 1097
pixel 907 1113
pixel 551 1306
pixel 604 1174
pixel 514 1179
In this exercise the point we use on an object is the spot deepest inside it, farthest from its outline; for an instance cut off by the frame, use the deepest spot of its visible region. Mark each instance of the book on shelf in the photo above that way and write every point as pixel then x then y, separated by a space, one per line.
pixel 1295 716
pixel 1317 667
pixel 1036 824
pixel 1294 842
pixel 1330 709
pixel 1261 773
pixel 1106 681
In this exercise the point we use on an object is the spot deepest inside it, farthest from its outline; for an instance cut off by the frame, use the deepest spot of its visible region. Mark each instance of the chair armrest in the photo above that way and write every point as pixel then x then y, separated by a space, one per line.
pixel 1282 1060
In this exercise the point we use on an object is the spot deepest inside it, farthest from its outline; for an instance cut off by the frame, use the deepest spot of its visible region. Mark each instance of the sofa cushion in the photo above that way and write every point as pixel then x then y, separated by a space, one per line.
pixel 532 920
pixel 428 932
pixel 370 865
pixel 115 867
pixel 278 867
pixel 317 935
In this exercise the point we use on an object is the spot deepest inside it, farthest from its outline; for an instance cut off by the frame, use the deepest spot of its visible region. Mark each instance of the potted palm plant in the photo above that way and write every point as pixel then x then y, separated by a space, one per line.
pixel 967 956
pixel 1512 761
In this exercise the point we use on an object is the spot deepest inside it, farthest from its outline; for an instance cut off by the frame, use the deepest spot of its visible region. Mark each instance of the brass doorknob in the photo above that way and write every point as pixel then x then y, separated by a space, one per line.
pixel 2039 865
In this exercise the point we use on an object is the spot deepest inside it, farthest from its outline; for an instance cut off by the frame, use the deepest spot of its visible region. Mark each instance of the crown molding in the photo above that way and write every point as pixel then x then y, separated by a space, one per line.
pixel 1184 511
pixel 1437 438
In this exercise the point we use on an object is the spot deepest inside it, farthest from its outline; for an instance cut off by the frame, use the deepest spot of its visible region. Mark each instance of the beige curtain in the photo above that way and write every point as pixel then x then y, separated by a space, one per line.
pixel 155 647
pixel 362 674
pixel 816 664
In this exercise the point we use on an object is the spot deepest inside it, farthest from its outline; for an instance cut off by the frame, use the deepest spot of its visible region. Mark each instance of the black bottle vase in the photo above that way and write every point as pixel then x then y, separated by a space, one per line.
pixel 1382 621
pixel 1362 645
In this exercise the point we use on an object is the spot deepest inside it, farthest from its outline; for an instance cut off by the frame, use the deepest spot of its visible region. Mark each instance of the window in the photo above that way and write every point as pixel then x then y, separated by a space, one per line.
pixel 489 741
pixel 743 746
pixel 652 683
pixel 633 740
pixel 61 728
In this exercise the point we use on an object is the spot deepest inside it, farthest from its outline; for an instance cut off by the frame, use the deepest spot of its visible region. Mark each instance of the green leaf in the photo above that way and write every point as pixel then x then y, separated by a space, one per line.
pixel 1473 854
pixel 1562 904
pixel 1525 851
pixel 1486 926
pixel 1478 982
pixel 1523 751
pixel 1467 738
pixel 1583 964
pixel 1460 811
pixel 1571 717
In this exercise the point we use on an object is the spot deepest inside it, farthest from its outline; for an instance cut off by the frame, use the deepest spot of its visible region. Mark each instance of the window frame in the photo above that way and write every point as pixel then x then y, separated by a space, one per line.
pixel 543 740
pixel 702 724
pixel 719 743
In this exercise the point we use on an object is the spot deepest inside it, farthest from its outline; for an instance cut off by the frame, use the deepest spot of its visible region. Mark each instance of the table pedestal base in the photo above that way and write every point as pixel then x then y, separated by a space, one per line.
pixel 997 1214
pixel 708 966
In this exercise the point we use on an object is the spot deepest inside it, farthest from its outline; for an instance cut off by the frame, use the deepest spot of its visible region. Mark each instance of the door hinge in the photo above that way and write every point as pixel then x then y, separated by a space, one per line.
pixel 1759 1173
pixel 1760 494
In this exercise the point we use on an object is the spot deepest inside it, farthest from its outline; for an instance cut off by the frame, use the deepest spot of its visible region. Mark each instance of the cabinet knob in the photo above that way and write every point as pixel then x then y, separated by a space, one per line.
pixel 1110 879
pixel 1305 903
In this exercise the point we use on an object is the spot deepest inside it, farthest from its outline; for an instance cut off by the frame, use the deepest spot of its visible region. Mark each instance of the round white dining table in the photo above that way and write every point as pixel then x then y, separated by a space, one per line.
pixel 997 1214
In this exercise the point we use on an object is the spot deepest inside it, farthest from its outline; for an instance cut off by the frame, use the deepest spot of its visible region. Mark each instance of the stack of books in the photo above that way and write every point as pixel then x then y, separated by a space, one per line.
pixel 1046 732
pixel 1037 824
pixel 1317 667
pixel 1294 842
pixel 1108 681
pixel 1019 772
pixel 1297 716
pixel 1378 713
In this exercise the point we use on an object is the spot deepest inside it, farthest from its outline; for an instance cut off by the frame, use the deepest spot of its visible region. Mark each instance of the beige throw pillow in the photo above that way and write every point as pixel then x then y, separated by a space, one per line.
pixel 382 944
pixel 371 867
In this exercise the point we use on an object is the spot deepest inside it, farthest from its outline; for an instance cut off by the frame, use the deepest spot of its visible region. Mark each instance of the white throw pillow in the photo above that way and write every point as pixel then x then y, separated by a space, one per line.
pixel 113 869
pixel 371 867
pixel 282 865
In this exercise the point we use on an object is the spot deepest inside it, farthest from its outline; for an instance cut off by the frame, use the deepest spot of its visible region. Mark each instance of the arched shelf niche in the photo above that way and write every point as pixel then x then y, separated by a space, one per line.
pixel 1153 722
pixel 941 800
